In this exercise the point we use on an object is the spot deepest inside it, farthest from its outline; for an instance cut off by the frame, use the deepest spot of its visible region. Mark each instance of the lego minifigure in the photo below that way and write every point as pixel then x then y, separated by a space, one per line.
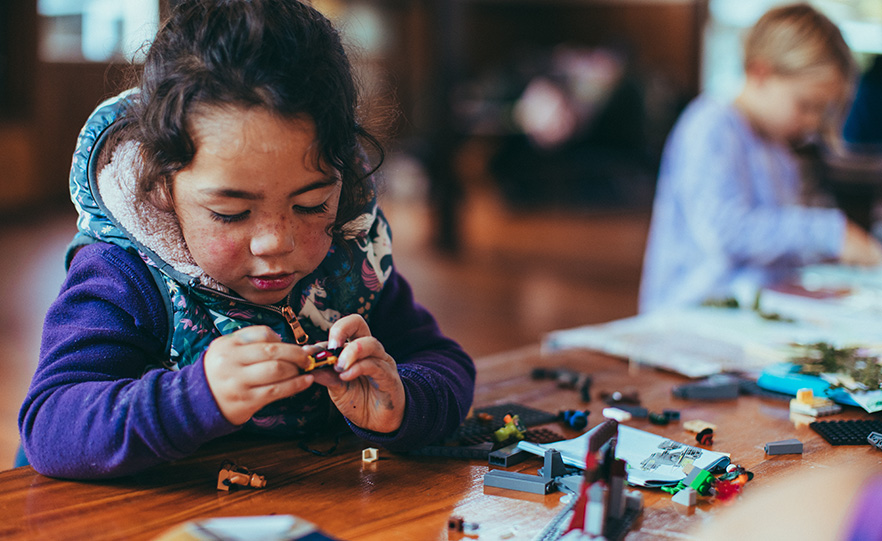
pixel 231 474
pixel 325 357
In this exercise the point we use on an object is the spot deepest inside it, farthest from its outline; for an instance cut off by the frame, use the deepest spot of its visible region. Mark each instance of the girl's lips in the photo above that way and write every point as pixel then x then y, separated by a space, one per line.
pixel 272 282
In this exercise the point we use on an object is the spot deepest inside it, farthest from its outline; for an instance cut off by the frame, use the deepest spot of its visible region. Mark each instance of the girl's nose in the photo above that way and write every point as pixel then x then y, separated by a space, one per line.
pixel 272 240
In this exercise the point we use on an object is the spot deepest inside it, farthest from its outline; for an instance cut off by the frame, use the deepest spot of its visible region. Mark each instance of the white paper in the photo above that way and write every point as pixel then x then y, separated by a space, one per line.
pixel 702 341
pixel 652 460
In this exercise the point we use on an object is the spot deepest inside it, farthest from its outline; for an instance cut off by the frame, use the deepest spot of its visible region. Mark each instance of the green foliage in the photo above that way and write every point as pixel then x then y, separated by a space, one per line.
pixel 728 302
pixel 823 358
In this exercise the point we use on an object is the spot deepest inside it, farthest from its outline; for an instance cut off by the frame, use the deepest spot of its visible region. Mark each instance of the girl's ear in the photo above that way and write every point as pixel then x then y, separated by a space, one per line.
pixel 162 198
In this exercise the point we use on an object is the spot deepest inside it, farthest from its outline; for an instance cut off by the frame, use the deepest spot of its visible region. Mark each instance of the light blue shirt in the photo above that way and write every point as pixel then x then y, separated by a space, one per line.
pixel 728 216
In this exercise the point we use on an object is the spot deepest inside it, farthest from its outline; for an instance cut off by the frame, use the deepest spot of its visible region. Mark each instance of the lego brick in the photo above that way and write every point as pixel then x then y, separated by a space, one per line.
pixel 542 435
pixel 697 425
pixel 718 387
pixel 554 467
pixel 371 454
pixel 508 456
pixel 638 412
pixel 474 430
pixel 784 447
pixel 819 408
pixel 875 439
pixel 687 497
pixel 616 414
pixel 853 432
pixel 601 434
pixel 518 481
pixel 672 415
pixel 806 403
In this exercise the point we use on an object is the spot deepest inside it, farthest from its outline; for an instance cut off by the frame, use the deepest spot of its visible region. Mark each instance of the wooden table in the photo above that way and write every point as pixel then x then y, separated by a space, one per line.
pixel 411 497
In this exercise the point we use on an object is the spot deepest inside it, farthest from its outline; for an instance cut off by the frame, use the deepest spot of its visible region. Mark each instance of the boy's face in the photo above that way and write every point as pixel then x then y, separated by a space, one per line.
pixel 254 206
pixel 793 107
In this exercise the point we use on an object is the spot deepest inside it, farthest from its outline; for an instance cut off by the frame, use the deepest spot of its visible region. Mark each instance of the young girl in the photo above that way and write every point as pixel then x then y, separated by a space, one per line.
pixel 227 221
pixel 728 217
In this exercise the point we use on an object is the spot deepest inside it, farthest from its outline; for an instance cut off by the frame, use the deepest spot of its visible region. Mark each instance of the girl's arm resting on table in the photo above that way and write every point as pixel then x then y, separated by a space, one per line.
pixel 438 376
pixel 722 213
pixel 91 412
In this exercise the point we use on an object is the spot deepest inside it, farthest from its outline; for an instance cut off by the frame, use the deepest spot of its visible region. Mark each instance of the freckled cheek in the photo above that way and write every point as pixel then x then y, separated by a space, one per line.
pixel 218 251
pixel 316 243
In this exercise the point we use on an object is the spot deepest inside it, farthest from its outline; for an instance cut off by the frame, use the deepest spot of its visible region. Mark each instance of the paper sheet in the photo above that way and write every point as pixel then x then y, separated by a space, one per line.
pixel 702 341
pixel 652 460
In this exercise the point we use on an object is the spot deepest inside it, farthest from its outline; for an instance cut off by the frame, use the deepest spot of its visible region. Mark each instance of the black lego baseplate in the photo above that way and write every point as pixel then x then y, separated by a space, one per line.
pixel 474 430
pixel 474 438
pixel 852 432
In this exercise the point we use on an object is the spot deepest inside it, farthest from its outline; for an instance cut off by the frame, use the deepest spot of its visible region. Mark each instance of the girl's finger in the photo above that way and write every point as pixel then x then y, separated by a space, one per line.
pixel 274 351
pixel 283 389
pixel 268 373
pixel 255 333
pixel 356 350
pixel 347 328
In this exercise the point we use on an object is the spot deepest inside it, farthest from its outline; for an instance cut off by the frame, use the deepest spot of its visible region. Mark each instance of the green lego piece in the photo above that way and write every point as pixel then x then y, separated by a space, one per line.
pixel 702 481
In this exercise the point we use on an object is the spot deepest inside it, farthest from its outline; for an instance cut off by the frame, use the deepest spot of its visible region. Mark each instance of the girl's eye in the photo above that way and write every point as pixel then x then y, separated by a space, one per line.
pixel 229 218
pixel 312 210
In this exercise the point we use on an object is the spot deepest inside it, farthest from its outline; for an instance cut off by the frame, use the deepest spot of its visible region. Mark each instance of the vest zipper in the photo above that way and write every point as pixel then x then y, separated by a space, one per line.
pixel 300 335
pixel 287 312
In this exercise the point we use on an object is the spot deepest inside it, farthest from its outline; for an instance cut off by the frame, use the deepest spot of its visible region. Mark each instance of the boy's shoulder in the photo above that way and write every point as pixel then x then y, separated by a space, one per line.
pixel 708 117
pixel 709 109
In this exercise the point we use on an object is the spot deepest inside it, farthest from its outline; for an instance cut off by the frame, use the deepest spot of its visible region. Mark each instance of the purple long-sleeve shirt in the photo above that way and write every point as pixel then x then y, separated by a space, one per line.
pixel 92 411
pixel 728 215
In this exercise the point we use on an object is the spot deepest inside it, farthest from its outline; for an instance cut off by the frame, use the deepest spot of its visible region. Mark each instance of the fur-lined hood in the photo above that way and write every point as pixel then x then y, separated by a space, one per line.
pixel 109 210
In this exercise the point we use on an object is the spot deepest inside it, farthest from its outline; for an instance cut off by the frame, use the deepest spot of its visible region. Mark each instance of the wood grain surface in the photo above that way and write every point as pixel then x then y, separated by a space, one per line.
pixel 411 497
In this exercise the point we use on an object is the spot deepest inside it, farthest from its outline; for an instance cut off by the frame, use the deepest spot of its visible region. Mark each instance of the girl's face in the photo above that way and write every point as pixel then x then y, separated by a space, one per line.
pixel 255 205
pixel 793 107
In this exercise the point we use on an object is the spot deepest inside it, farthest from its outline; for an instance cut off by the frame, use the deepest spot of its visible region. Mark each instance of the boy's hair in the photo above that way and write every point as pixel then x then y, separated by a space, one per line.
pixel 280 55
pixel 797 38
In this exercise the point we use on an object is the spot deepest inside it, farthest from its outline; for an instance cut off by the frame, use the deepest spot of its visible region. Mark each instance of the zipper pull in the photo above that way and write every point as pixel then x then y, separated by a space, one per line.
pixel 300 335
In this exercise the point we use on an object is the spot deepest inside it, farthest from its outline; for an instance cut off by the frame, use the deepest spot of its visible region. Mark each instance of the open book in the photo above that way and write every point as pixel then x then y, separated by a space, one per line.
pixel 653 461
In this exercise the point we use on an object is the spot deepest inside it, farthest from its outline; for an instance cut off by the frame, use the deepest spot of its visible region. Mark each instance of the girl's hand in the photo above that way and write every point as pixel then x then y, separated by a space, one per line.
pixel 368 389
pixel 250 368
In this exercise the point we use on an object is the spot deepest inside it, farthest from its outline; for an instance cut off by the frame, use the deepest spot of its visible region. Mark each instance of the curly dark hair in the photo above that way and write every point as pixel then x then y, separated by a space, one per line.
pixel 280 55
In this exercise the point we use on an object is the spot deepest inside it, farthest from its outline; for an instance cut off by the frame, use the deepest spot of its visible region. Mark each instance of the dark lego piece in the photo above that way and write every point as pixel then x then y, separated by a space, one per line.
pixel 854 432
pixel 575 419
pixel 518 481
pixel 477 430
pixel 749 387
pixel 508 456
pixel 717 387
pixel 658 418
pixel 705 437
pixel 672 415
pixel 554 466
pixel 542 435
pixel 535 484
pixel 784 447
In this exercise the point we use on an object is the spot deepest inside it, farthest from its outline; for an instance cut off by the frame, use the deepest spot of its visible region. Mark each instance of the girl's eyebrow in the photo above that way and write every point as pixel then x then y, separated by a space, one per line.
pixel 254 196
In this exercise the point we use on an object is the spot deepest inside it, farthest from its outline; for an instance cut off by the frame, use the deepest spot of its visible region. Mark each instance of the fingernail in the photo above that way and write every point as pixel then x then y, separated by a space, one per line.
pixel 332 344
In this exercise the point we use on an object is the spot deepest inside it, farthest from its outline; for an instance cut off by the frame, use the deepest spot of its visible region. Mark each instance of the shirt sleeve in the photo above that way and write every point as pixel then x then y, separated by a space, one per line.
pixel 726 186
pixel 91 410
pixel 438 376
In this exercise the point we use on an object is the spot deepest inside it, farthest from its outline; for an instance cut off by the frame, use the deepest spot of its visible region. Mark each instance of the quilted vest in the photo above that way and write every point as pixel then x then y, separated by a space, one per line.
pixel 348 281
